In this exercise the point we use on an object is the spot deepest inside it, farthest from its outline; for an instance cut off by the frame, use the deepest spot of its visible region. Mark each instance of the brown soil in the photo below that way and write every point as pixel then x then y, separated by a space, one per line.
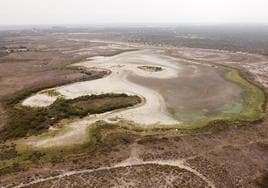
pixel 232 157
pixel 150 68
pixel 106 102
pixel 136 176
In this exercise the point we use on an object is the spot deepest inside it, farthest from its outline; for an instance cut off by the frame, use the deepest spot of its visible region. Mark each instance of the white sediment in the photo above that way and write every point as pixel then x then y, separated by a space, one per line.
pixel 39 100
pixel 152 112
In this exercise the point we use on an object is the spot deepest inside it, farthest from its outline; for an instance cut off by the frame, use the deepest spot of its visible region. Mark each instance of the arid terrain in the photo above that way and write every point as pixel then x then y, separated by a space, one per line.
pixel 108 108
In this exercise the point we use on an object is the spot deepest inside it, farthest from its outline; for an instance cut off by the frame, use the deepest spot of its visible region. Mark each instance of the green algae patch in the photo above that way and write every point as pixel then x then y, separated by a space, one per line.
pixel 250 110
pixel 253 99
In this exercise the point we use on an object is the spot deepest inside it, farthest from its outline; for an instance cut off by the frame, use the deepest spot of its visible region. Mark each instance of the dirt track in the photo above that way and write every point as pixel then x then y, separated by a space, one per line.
pixel 124 164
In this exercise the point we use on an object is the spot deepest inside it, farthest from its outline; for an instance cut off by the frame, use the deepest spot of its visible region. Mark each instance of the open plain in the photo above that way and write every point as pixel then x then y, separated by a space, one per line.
pixel 96 111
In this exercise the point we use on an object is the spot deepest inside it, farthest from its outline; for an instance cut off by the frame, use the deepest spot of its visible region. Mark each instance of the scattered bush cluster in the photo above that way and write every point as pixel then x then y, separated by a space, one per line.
pixel 26 121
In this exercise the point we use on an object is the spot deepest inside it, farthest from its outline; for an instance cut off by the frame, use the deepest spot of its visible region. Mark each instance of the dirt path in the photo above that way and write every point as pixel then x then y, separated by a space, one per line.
pixel 132 161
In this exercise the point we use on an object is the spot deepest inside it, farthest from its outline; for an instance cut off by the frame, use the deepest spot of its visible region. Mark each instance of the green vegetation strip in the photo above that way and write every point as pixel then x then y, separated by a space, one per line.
pixel 26 121
pixel 254 97
pixel 102 138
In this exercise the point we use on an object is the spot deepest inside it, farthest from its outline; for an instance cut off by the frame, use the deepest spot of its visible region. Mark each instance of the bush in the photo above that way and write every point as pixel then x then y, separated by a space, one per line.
pixel 26 121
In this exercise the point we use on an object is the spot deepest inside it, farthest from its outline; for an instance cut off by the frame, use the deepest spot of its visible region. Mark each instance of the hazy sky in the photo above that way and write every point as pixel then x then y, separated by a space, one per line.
pixel 131 11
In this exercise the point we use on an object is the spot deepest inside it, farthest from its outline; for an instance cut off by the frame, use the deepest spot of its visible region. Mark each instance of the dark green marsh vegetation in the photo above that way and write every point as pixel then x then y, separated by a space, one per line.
pixel 25 121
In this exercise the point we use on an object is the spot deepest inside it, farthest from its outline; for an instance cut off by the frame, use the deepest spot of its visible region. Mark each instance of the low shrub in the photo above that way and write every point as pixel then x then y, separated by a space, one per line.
pixel 26 121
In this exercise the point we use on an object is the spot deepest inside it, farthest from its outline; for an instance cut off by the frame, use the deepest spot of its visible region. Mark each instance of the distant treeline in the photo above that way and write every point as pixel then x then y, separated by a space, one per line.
pixel 240 37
